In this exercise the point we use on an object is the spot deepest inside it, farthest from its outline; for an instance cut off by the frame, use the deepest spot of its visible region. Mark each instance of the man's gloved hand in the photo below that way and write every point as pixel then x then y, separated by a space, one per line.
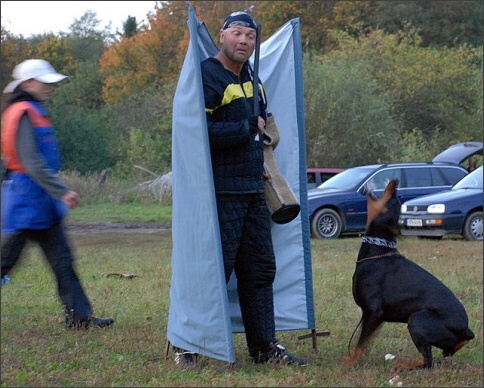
pixel 253 125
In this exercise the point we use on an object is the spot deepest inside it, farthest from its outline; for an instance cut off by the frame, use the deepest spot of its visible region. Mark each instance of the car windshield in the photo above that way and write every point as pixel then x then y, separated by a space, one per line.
pixel 470 181
pixel 347 179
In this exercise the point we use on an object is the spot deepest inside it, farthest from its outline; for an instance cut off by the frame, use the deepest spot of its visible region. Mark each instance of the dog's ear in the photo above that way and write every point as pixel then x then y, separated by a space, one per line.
pixel 391 189
pixel 377 206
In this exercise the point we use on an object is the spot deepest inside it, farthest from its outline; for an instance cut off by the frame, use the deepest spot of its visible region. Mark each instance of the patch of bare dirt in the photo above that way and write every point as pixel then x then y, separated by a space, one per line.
pixel 104 227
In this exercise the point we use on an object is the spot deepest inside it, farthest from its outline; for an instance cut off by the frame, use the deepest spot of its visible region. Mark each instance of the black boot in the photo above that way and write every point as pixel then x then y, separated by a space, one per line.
pixel 278 355
pixel 91 322
pixel 101 322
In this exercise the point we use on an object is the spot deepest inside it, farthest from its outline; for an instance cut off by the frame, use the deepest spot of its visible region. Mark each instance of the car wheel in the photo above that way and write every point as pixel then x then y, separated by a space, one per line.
pixel 326 223
pixel 473 227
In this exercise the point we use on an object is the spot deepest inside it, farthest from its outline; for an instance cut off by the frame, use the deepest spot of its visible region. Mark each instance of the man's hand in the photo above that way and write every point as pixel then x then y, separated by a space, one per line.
pixel 261 124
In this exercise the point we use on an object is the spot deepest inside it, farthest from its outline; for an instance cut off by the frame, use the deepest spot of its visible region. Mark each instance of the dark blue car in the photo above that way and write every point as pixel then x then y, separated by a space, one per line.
pixel 338 206
pixel 455 211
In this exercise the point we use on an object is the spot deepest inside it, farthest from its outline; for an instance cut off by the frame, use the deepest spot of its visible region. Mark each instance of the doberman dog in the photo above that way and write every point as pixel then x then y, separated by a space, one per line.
pixel 388 287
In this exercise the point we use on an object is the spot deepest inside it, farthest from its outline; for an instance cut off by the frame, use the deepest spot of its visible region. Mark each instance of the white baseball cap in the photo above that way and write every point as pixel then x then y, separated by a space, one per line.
pixel 38 69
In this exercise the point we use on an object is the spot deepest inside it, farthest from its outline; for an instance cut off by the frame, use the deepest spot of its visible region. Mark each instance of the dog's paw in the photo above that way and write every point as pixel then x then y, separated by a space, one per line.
pixel 354 358
pixel 348 362
pixel 404 364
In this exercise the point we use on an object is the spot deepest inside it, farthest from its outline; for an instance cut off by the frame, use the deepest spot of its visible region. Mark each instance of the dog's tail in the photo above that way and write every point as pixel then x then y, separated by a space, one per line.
pixel 352 335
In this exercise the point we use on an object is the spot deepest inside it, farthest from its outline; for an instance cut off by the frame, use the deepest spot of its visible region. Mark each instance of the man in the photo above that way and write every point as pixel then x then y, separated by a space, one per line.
pixel 237 153
pixel 34 199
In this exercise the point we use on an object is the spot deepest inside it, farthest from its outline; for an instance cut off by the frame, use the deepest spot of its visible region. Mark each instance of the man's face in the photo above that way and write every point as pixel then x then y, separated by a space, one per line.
pixel 238 43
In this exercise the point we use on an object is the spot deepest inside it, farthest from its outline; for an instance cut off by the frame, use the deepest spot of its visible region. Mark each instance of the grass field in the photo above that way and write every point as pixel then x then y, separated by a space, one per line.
pixel 37 351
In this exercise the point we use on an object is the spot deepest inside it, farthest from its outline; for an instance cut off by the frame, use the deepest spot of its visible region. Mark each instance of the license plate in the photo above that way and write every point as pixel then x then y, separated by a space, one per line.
pixel 414 222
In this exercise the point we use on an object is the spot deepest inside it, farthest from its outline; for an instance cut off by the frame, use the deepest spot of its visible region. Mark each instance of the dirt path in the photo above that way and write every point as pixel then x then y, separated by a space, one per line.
pixel 105 227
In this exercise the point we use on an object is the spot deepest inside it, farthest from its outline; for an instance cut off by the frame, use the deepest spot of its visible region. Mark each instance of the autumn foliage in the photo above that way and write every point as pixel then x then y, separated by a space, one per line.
pixel 395 74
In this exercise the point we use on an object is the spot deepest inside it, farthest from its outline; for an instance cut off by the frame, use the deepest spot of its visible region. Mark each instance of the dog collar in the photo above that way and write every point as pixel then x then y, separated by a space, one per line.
pixel 379 241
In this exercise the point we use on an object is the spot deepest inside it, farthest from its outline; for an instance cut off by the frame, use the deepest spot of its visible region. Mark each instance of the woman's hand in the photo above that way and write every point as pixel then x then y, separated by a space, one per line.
pixel 71 199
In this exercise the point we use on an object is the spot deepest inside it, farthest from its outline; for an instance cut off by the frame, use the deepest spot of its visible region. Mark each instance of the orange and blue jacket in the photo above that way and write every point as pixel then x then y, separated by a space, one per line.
pixel 25 204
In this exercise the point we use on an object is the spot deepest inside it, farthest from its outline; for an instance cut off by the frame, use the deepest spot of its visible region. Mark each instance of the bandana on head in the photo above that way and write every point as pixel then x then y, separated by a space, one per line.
pixel 239 19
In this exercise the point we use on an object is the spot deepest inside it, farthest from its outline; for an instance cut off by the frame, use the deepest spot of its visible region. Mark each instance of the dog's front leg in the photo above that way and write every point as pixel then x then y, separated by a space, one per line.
pixel 369 326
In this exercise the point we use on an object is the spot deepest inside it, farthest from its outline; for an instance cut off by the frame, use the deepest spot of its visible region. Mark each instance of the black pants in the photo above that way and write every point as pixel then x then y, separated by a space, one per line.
pixel 246 237
pixel 58 254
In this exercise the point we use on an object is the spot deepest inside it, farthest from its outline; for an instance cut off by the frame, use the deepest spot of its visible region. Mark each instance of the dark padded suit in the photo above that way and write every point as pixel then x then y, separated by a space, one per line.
pixel 245 229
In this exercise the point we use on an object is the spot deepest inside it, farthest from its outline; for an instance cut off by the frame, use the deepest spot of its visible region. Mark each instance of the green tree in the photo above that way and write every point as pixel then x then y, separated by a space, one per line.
pixel 143 130
pixel 85 135
pixel 348 121
pixel 85 138
pixel 429 88
pixel 440 23
pixel 150 150
pixel 84 88
pixel 85 40
pixel 379 89
pixel 130 27
pixel 86 26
